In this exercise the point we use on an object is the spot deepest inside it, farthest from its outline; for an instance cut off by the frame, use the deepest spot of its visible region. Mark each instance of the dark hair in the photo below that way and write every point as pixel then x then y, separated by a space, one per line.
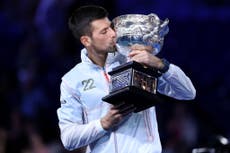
pixel 81 18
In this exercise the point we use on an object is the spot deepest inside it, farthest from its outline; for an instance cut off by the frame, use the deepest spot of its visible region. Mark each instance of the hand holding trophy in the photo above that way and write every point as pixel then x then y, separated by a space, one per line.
pixel 132 82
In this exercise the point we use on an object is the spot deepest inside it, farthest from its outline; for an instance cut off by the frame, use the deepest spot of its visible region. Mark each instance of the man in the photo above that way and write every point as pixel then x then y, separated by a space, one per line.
pixel 84 119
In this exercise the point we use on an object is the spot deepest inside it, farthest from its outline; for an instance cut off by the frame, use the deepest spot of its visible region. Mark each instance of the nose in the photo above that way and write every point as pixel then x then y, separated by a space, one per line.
pixel 113 33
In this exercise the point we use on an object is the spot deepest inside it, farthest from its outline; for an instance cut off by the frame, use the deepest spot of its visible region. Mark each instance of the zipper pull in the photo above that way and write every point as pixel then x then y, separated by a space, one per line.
pixel 106 75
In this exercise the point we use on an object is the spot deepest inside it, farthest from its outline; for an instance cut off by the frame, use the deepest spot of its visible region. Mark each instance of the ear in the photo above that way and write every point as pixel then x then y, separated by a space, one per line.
pixel 85 40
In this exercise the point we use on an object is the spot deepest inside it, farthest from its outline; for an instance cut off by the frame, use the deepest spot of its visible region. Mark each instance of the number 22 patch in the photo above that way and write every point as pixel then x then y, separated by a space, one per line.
pixel 88 84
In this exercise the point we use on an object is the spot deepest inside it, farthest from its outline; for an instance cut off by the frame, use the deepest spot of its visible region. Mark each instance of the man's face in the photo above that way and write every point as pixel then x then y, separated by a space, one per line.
pixel 103 37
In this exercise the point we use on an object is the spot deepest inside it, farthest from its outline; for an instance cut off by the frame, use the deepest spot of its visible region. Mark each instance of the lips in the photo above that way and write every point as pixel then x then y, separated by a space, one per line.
pixel 115 40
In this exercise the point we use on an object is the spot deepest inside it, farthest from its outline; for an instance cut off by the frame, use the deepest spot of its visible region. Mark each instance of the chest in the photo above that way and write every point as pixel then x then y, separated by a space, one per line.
pixel 94 85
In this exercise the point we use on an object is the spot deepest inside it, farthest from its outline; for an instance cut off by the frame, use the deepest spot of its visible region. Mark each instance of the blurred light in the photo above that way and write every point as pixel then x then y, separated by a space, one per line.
pixel 203 150
pixel 223 140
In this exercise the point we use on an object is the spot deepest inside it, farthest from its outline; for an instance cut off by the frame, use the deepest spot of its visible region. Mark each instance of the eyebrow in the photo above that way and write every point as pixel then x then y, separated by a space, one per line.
pixel 106 28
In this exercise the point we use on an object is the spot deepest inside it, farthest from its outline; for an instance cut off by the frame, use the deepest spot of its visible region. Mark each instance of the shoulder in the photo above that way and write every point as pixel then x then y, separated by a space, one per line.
pixel 75 74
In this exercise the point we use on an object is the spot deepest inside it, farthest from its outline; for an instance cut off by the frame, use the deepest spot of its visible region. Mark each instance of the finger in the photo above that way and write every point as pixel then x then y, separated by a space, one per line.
pixel 141 47
pixel 117 117
pixel 134 53
pixel 139 52
pixel 137 57
pixel 137 46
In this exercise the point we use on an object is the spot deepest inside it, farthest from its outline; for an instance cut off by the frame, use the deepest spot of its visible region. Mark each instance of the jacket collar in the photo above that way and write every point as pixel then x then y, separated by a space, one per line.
pixel 84 56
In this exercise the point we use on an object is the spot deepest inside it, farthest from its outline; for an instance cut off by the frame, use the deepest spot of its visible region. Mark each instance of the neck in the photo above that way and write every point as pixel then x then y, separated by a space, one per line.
pixel 97 58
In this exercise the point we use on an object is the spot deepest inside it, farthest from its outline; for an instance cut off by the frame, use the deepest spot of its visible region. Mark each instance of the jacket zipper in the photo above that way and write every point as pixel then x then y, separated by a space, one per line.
pixel 114 136
pixel 107 78
pixel 106 75
pixel 148 125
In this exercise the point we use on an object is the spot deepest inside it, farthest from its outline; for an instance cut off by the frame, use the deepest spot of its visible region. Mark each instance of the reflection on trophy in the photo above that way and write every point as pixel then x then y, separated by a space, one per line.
pixel 132 82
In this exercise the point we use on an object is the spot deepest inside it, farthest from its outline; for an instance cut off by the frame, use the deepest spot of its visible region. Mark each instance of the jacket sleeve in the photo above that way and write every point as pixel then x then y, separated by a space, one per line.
pixel 74 128
pixel 174 83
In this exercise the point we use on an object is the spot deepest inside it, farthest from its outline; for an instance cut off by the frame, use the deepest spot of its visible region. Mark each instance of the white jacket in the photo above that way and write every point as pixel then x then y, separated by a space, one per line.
pixel 82 108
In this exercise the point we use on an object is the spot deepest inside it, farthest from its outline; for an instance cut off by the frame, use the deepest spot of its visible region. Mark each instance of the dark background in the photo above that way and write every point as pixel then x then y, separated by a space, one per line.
pixel 37 49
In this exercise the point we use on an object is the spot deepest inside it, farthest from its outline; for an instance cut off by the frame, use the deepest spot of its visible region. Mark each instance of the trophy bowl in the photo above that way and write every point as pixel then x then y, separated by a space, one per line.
pixel 132 82
pixel 147 30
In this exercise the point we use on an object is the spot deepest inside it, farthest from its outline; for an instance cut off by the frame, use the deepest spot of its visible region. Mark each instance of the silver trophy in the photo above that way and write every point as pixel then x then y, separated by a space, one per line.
pixel 132 82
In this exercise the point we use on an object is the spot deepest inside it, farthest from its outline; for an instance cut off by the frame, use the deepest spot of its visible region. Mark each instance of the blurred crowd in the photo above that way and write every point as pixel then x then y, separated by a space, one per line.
pixel 36 49
pixel 34 54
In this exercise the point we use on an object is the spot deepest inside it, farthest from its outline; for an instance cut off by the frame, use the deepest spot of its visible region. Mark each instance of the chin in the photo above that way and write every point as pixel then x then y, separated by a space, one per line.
pixel 112 49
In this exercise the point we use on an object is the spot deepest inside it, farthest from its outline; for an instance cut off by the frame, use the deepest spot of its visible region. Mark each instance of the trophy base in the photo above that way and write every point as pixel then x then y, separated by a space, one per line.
pixel 132 95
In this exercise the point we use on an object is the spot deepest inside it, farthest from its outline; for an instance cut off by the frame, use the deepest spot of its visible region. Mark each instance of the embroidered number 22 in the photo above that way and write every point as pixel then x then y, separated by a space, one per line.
pixel 88 84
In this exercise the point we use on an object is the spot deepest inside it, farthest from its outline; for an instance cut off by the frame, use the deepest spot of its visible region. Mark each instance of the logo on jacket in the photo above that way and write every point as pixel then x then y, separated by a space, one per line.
pixel 88 84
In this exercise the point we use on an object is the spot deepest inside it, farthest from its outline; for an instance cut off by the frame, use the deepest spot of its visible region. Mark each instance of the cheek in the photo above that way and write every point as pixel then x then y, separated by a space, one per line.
pixel 99 45
pixel 102 42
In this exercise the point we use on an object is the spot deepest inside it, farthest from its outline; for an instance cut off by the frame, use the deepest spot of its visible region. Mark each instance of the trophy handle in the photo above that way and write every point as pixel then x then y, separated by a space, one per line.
pixel 164 29
pixel 153 18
